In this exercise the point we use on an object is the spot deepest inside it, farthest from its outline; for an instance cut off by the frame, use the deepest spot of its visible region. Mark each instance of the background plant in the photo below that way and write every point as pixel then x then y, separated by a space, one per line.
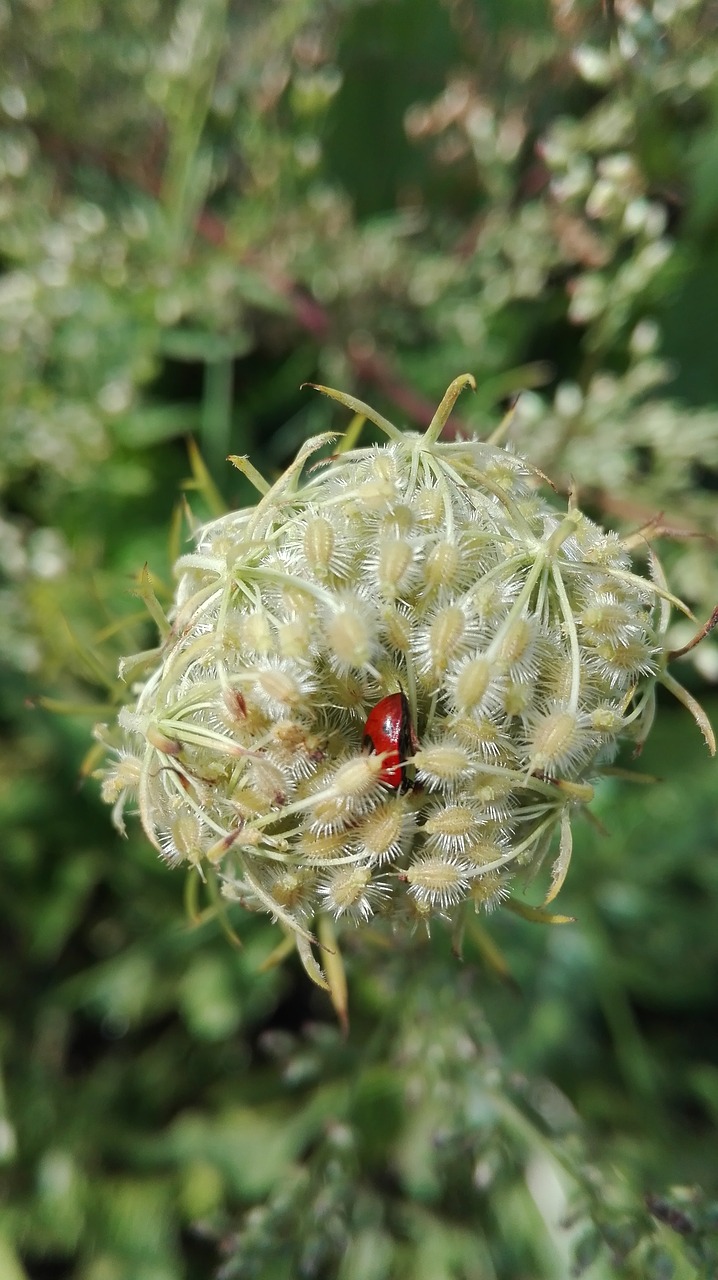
pixel 195 216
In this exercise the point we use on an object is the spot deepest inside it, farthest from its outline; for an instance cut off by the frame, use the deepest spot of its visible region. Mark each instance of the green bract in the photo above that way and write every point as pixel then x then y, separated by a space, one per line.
pixel 526 645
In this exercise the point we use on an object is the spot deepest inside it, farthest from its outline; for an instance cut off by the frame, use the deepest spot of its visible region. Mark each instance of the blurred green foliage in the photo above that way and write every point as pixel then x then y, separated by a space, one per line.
pixel 203 204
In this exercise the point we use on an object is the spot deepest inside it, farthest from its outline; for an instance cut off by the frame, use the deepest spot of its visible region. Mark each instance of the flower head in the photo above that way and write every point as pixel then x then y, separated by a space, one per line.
pixel 524 643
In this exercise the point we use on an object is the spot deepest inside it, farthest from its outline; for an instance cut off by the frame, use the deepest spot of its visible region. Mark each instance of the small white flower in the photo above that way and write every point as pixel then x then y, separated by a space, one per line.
pixel 352 892
pixel 351 633
pixel 438 881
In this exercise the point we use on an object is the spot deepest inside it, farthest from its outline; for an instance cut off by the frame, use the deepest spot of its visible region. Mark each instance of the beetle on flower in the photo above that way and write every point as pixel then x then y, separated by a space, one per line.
pixel 269 740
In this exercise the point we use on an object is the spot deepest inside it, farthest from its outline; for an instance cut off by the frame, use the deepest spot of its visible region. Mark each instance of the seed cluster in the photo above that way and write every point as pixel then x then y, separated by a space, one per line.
pixel 523 641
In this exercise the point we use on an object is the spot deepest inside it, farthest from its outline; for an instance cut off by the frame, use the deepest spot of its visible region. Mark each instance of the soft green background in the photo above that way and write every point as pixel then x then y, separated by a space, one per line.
pixel 201 206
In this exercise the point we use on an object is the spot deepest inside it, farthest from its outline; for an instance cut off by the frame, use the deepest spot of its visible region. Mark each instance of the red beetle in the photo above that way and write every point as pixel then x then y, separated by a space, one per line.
pixel 389 729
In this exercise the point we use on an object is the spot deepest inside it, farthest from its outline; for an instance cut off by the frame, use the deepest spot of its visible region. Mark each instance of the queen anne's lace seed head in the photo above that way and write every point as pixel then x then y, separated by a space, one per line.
pixel 523 640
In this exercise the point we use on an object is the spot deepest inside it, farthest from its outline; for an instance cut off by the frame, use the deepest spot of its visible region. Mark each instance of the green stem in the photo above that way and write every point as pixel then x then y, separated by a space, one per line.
pixel 440 418
pixel 187 173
